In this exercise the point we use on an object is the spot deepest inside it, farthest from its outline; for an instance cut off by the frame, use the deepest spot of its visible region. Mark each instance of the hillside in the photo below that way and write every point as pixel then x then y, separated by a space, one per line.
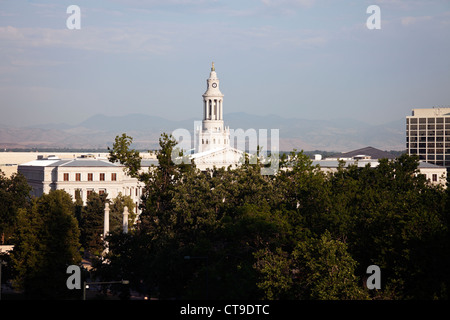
pixel 99 131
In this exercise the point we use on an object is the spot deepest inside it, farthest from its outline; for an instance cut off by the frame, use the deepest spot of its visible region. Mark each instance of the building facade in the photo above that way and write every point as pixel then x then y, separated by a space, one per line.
pixel 213 134
pixel 85 174
pixel 213 146
pixel 435 175
pixel 81 176
pixel 428 135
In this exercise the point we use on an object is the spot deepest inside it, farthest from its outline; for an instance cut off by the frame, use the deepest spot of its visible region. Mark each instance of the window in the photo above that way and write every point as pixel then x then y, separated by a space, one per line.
pixel 66 177
pixel 89 192
pixel 102 177
pixel 78 176
pixel 434 177
pixel 101 191
pixel 113 176
pixel 90 176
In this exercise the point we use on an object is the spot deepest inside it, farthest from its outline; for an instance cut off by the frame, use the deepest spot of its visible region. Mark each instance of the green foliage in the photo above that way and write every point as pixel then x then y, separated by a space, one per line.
pixel 326 271
pixel 276 274
pixel 92 223
pixel 47 241
pixel 14 195
pixel 299 234
pixel 121 152
pixel 117 206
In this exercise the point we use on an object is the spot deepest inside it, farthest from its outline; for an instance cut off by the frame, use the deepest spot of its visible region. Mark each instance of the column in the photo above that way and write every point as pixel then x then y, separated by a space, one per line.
pixel 125 219
pixel 106 222
pixel 215 109
pixel 210 109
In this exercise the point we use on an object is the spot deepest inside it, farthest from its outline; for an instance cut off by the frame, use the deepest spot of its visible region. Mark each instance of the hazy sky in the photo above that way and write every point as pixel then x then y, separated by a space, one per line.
pixel 294 58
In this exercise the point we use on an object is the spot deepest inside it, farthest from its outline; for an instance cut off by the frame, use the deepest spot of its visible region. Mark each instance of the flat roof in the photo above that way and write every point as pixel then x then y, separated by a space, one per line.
pixel 84 162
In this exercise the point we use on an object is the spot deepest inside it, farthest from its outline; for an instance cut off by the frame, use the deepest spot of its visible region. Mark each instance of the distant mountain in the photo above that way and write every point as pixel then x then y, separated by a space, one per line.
pixel 99 131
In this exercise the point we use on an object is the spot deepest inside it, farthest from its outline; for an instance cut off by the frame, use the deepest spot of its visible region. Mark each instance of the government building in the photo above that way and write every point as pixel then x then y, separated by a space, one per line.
pixel 213 148
pixel 80 176
pixel 427 135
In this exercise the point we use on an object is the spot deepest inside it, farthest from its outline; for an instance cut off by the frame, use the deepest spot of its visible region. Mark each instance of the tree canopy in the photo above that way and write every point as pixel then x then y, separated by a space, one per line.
pixel 299 234
pixel 224 233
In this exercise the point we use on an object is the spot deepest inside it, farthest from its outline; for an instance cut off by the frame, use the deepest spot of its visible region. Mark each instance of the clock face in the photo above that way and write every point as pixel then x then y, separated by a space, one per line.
pixel 214 85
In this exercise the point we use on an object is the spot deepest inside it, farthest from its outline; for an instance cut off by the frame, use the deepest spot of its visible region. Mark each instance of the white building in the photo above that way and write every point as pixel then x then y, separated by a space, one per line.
pixel 213 138
pixel 82 175
pixel 85 174
pixel 435 174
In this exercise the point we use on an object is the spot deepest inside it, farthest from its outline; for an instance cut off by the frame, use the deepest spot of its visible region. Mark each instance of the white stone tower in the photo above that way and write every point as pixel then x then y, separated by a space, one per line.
pixel 213 134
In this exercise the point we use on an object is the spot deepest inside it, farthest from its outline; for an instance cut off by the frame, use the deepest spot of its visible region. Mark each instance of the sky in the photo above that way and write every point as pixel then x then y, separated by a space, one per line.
pixel 309 59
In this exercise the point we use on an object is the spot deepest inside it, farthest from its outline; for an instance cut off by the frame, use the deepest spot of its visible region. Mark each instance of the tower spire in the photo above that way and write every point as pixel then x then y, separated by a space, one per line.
pixel 212 68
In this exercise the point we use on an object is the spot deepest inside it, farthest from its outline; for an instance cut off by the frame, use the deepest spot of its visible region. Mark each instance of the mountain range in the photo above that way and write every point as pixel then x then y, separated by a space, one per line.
pixel 99 132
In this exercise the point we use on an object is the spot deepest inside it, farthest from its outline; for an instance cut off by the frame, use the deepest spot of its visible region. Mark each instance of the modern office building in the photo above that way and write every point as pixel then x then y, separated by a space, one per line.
pixel 428 135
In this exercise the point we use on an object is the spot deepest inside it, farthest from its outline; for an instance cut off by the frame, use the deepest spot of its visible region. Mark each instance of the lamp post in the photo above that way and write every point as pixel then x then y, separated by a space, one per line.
pixel 86 285
pixel 205 258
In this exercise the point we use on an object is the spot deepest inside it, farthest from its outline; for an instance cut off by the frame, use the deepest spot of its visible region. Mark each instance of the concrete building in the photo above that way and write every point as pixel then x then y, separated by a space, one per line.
pixel 213 138
pixel 81 176
pixel 85 174
pixel 428 135
pixel 435 174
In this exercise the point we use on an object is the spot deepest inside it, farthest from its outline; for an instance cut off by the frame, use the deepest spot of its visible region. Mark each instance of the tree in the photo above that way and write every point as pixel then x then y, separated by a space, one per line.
pixel 117 206
pixel 391 217
pixel 92 223
pixel 326 271
pixel 298 234
pixel 47 241
pixel 122 153
pixel 14 194
pixel 276 274
pixel 318 269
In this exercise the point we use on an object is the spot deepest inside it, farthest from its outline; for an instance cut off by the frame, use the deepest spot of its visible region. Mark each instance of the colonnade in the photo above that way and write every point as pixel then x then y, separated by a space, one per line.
pixel 213 109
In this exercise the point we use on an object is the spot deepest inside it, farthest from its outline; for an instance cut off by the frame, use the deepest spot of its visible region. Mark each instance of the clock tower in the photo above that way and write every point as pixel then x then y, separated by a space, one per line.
pixel 213 134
